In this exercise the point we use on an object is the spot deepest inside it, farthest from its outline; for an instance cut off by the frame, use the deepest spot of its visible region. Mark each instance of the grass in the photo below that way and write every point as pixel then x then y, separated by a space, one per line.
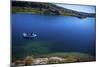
pixel 25 9
pixel 37 11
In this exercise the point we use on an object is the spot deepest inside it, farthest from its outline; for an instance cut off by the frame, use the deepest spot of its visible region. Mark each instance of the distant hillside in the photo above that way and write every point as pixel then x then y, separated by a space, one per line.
pixel 46 9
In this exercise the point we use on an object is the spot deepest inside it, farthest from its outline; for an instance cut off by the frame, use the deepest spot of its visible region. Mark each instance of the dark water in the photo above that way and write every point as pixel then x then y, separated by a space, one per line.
pixel 54 34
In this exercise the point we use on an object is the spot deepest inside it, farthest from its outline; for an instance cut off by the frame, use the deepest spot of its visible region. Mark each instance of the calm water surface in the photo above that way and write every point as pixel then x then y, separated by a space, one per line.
pixel 54 34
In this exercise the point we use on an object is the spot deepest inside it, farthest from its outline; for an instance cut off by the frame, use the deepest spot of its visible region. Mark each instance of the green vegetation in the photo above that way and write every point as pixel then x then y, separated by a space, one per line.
pixel 46 9
pixel 25 10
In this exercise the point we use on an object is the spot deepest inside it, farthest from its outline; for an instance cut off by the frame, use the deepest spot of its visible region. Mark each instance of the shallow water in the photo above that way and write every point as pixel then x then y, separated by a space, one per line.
pixel 54 34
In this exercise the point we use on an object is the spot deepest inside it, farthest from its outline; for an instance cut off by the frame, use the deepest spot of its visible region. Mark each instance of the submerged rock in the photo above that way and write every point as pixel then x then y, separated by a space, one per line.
pixel 19 63
pixel 56 60
pixel 71 59
pixel 29 60
pixel 41 61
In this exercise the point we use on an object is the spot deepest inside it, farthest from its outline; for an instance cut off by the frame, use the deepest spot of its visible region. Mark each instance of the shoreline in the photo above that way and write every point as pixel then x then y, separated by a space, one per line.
pixel 54 58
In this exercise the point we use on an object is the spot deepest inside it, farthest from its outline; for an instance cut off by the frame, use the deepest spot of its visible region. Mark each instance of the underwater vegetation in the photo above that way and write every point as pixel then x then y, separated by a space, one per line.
pixel 54 58
pixel 23 49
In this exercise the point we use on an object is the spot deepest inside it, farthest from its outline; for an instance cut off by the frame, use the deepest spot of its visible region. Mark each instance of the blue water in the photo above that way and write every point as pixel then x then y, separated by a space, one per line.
pixel 59 33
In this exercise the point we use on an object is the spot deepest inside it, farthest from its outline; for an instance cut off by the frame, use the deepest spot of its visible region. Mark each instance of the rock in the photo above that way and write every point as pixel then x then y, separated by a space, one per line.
pixel 29 60
pixel 12 64
pixel 19 63
pixel 56 60
pixel 41 61
pixel 71 59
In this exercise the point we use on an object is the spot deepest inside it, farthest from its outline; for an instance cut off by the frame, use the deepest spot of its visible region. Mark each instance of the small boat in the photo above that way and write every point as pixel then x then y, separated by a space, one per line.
pixel 29 35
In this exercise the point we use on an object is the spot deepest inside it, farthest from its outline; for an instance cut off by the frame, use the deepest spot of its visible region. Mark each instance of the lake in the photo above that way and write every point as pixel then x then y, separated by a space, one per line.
pixel 54 34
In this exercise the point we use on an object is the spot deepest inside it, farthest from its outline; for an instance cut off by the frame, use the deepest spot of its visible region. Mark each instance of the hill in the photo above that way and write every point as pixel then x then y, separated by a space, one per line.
pixel 46 9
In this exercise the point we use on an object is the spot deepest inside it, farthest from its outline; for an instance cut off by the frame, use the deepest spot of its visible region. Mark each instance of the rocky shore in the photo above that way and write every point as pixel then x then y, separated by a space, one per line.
pixel 69 58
